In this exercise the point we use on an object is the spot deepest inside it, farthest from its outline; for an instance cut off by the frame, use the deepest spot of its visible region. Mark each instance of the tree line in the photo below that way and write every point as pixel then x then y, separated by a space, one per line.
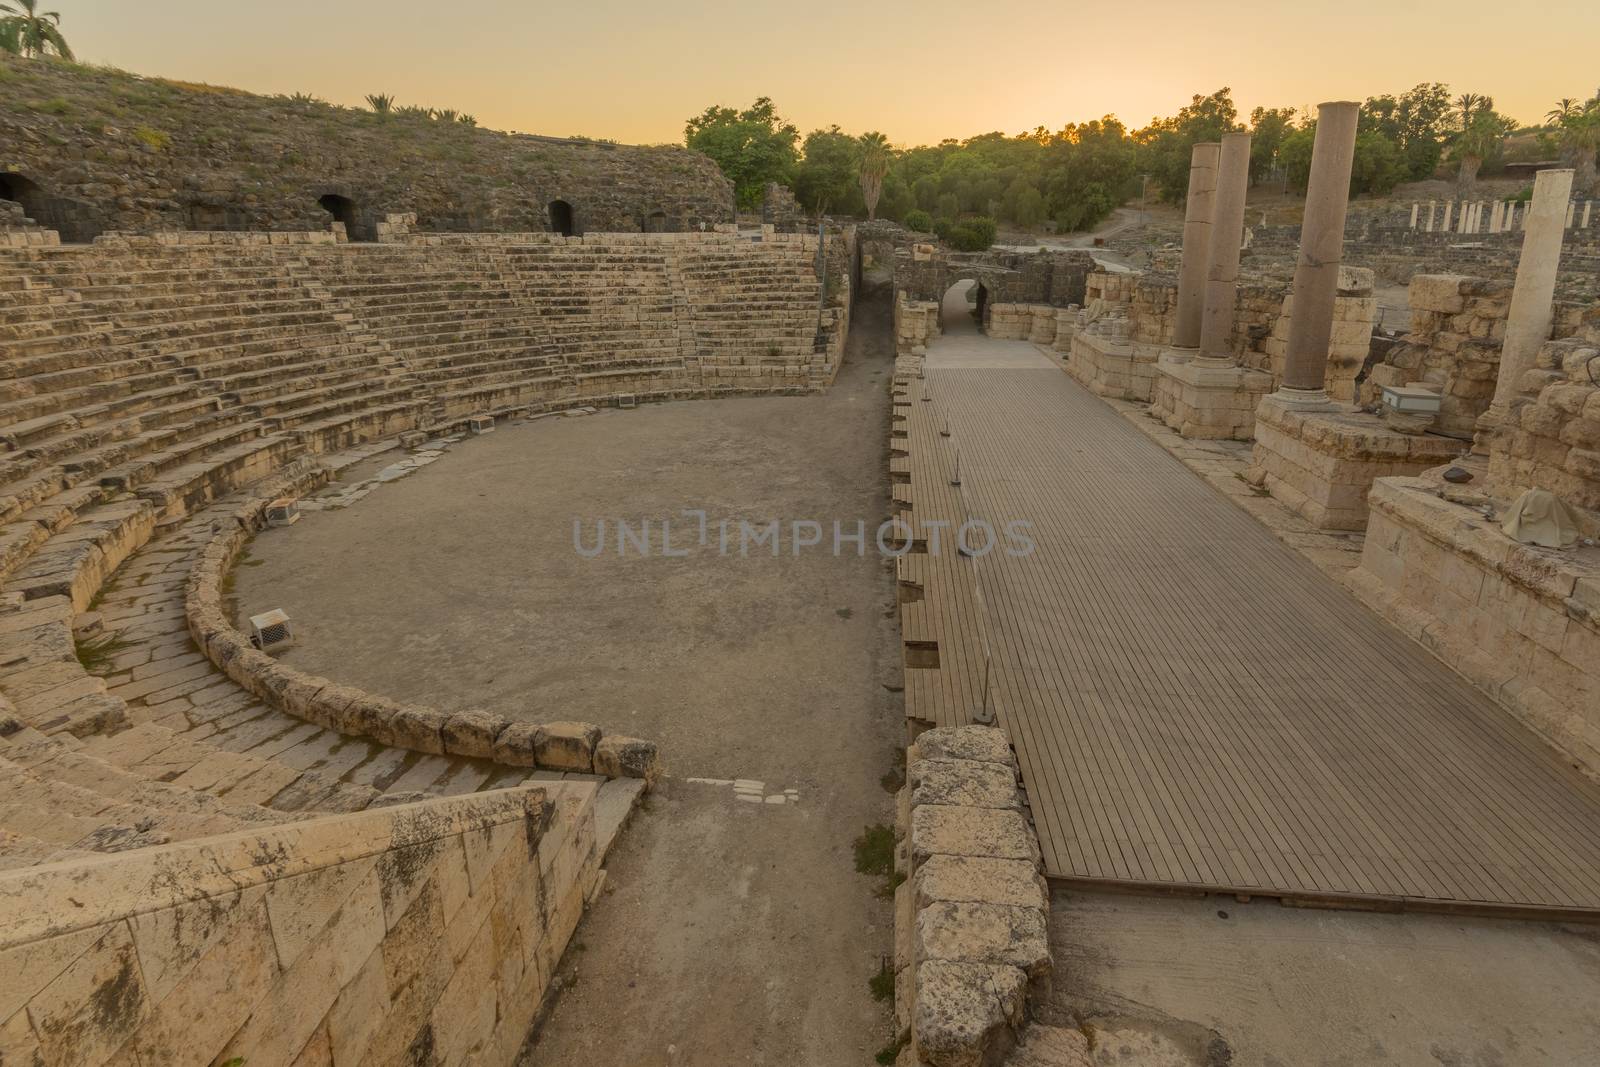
pixel 1075 177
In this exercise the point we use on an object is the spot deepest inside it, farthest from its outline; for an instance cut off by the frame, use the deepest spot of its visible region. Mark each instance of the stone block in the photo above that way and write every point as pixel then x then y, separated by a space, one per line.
pixel 471 733
pixel 627 757
pixel 517 745
pixel 984 744
pixel 966 1014
pixel 984 933
pixel 968 783
pixel 954 831
pixel 979 880
pixel 567 746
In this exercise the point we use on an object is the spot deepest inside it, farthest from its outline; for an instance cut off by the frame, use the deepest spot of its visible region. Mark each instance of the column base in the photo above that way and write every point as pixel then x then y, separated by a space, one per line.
pixel 1303 399
pixel 1118 369
pixel 1207 398
pixel 1322 463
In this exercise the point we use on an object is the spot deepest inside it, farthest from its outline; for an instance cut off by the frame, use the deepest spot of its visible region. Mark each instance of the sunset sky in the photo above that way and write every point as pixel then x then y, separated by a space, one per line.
pixel 918 71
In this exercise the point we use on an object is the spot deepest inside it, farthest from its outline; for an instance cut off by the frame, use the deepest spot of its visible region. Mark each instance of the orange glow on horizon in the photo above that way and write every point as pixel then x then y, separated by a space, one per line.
pixel 918 72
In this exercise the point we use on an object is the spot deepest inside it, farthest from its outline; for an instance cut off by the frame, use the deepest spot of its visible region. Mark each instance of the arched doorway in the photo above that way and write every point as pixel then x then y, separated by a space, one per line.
pixel 343 209
pixel 74 220
pixel 655 222
pixel 561 218
pixel 962 308
pixel 25 191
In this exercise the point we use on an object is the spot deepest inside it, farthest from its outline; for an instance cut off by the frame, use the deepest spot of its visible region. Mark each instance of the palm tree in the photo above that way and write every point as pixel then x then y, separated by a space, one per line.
pixel 1580 138
pixel 382 103
pixel 1469 105
pixel 1565 107
pixel 874 167
pixel 10 38
pixel 1478 141
pixel 35 33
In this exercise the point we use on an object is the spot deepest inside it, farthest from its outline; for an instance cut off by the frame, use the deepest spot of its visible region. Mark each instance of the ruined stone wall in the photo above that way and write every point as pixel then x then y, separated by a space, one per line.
pixel 1057 278
pixel 1521 623
pixel 421 933
pixel 1261 315
pixel 916 323
pixel 1457 327
pixel 971 949
pixel 1552 436
pixel 1397 253
pixel 17 230
pixel 99 150
pixel 781 210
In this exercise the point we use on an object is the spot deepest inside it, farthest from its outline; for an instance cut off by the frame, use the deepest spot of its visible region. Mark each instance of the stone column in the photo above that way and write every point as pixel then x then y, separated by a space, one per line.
pixel 1196 243
pixel 1572 206
pixel 1449 207
pixel 1511 216
pixel 1496 216
pixel 1430 215
pixel 1531 314
pixel 1588 209
pixel 1415 207
pixel 1316 273
pixel 1227 234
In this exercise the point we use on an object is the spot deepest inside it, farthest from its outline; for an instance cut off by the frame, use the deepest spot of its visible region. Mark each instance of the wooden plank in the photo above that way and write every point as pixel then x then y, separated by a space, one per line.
pixel 1194 706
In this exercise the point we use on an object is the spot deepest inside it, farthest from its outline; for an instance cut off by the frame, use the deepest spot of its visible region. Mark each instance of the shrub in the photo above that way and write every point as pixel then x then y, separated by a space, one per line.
pixel 160 140
pixel 918 220
pixel 972 235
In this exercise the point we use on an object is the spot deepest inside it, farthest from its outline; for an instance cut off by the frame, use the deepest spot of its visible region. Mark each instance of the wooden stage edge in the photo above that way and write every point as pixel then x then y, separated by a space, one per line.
pixel 1334 901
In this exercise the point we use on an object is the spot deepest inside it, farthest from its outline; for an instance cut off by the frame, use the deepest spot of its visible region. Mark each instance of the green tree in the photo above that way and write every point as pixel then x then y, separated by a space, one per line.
pixel 32 33
pixel 827 178
pixel 1268 127
pixel 1168 143
pixel 1481 139
pixel 875 156
pixel 1378 166
pixel 382 103
pixel 752 147
pixel 1294 155
pixel 1578 134
pixel 1088 169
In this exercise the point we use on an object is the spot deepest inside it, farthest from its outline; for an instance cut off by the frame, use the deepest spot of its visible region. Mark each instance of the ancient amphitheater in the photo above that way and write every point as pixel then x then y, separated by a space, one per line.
pixel 1267 637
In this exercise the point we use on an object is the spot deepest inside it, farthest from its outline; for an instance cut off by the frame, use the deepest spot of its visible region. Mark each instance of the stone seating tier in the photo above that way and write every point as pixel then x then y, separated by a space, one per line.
pixel 145 383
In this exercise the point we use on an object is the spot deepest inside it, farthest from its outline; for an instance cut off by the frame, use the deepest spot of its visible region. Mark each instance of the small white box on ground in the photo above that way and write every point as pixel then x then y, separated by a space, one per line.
pixel 270 631
pixel 283 511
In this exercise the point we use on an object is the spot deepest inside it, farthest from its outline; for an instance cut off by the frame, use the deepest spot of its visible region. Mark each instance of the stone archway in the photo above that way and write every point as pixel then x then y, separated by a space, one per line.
pixel 561 218
pixel 655 222
pixel 74 220
pixel 343 209
pixel 964 306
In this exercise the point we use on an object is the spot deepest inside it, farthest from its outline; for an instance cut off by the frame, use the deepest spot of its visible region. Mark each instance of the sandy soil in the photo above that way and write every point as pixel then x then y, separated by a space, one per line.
pixel 731 932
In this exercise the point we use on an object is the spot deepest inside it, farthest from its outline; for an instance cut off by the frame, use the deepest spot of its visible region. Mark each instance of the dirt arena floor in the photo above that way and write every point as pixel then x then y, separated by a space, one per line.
pixel 731 932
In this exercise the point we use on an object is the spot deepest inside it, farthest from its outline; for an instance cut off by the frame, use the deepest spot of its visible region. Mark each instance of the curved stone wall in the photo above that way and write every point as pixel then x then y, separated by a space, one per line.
pixel 557 746
pixel 114 151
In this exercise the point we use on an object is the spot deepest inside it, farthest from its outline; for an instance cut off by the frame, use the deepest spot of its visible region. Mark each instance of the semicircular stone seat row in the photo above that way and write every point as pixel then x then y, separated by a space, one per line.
pixel 146 385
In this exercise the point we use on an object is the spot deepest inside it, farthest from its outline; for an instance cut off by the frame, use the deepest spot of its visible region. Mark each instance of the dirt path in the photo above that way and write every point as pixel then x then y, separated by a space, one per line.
pixel 731 932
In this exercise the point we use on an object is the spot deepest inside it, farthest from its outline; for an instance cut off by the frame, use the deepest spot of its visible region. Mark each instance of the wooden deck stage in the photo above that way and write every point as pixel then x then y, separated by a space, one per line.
pixel 1194 705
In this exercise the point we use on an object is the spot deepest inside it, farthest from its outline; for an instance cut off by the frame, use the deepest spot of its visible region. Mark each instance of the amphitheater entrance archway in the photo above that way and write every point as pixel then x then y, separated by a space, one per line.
pixel 655 222
pixel 343 209
pixel 561 218
pixel 962 308
pixel 15 187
